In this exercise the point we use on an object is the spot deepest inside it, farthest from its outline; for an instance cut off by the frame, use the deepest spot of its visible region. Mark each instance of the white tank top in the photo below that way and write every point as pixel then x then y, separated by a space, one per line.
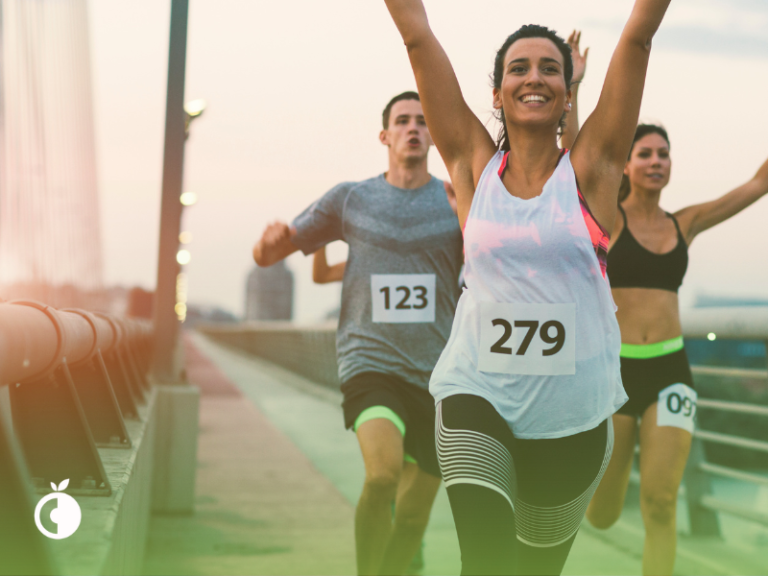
pixel 535 331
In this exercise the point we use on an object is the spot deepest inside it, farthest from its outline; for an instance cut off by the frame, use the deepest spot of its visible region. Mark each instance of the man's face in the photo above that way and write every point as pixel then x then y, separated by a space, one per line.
pixel 407 136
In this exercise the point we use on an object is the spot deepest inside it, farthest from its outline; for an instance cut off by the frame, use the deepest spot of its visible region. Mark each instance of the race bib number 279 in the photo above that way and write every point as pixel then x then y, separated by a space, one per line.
pixel 403 298
pixel 534 339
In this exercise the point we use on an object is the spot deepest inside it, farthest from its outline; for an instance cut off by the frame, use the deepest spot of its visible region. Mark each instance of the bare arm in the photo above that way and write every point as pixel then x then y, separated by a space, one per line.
pixel 324 274
pixel 275 244
pixel 460 137
pixel 602 146
pixel 579 68
pixel 695 219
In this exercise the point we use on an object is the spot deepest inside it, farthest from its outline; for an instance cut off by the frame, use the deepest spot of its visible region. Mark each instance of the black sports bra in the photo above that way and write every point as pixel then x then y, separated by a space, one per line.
pixel 630 265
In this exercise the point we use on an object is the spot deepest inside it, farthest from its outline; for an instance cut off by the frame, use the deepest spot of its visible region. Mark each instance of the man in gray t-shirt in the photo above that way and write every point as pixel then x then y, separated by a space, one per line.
pixel 399 293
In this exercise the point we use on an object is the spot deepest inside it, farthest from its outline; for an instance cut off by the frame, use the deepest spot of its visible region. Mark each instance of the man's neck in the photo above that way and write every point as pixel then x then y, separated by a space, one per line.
pixel 408 176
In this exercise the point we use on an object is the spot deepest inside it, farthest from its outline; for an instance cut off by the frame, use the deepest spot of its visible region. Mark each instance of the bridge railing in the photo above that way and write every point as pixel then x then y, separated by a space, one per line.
pixel 73 378
pixel 311 352
pixel 748 323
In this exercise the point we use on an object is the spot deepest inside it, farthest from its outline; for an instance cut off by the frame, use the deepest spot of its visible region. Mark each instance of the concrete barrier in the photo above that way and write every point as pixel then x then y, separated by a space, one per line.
pixel 306 350
pixel 78 411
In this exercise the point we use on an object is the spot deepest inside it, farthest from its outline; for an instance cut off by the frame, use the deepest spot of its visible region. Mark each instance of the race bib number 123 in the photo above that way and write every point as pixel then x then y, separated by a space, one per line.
pixel 403 298
pixel 527 338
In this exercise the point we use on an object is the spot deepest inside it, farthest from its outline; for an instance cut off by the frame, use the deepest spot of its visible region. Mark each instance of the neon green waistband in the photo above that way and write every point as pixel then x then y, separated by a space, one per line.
pixel 644 351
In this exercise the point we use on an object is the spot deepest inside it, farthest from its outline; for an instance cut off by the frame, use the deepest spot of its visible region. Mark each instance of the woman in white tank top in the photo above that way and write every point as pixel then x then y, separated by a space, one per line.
pixel 530 376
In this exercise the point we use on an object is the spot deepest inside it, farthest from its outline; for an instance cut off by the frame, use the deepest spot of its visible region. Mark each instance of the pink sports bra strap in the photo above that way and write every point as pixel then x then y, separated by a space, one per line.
pixel 597 234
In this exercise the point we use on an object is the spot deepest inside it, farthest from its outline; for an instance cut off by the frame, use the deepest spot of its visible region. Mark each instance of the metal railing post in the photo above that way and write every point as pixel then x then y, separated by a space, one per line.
pixel 703 522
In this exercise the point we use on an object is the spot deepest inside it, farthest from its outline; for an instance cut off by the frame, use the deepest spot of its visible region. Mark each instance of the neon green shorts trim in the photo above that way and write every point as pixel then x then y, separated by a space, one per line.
pixel 645 351
pixel 388 414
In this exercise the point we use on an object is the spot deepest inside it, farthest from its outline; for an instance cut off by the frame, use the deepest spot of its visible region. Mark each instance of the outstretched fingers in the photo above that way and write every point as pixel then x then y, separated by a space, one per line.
pixel 579 58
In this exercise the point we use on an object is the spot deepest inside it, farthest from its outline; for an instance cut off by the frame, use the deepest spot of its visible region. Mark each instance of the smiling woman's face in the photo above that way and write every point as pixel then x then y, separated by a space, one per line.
pixel 650 164
pixel 533 90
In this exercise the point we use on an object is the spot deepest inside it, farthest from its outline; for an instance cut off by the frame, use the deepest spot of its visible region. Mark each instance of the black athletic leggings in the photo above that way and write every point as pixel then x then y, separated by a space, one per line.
pixel 517 504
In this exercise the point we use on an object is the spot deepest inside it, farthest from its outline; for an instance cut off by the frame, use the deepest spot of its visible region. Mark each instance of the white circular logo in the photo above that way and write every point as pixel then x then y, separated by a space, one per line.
pixel 66 515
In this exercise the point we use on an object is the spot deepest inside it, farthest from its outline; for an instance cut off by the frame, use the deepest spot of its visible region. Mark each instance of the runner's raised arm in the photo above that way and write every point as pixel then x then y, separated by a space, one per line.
pixel 700 217
pixel 460 137
pixel 601 149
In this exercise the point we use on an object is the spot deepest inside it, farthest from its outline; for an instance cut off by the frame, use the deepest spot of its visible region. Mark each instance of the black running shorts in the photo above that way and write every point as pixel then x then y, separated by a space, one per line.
pixel 415 407
pixel 645 378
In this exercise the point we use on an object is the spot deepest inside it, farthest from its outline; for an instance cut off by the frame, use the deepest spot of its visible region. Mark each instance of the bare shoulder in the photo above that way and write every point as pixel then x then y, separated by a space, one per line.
pixel 599 181
pixel 685 219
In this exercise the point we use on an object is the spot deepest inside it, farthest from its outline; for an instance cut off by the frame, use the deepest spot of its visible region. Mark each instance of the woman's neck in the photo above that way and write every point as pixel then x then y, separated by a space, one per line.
pixel 643 202
pixel 533 155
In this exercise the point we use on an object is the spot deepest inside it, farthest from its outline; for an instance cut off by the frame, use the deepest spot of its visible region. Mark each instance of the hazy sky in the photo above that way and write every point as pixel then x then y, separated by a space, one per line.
pixel 295 92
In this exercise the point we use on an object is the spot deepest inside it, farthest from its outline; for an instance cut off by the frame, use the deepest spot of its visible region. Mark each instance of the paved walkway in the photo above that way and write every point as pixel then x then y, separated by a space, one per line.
pixel 262 507
pixel 278 478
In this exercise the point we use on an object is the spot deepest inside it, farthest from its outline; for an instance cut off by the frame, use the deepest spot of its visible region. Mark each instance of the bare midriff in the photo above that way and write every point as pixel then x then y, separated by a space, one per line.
pixel 647 315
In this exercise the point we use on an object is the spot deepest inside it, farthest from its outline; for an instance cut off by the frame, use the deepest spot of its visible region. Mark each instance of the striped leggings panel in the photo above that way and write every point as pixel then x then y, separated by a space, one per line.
pixel 546 485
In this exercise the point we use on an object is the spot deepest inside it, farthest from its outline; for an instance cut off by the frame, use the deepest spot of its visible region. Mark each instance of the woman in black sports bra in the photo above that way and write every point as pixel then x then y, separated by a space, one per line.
pixel 647 259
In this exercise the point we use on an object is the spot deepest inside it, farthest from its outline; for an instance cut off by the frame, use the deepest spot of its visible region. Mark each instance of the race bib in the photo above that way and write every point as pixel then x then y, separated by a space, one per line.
pixel 527 338
pixel 677 407
pixel 403 298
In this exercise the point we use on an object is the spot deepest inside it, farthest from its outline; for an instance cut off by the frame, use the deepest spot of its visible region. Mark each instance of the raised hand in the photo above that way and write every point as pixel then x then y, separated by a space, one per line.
pixel 275 244
pixel 601 150
pixel 274 234
pixel 579 59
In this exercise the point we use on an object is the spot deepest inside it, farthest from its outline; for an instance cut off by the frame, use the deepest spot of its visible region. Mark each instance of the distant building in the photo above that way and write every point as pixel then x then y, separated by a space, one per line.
pixel 269 293
pixel 207 314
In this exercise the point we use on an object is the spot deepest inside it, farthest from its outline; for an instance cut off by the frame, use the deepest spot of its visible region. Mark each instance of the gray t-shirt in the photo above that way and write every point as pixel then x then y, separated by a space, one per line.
pixel 400 285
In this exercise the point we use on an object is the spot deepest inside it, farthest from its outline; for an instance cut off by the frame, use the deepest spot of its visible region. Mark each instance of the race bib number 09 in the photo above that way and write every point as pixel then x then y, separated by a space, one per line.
pixel 677 407
pixel 527 338
pixel 403 298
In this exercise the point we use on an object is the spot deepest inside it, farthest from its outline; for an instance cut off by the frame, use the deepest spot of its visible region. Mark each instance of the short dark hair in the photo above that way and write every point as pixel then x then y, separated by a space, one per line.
pixel 410 95
pixel 641 132
pixel 529 31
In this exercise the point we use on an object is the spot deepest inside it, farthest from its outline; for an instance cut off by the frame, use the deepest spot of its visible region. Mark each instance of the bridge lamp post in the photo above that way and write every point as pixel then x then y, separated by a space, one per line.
pixel 183 257
pixel 167 360
pixel 192 110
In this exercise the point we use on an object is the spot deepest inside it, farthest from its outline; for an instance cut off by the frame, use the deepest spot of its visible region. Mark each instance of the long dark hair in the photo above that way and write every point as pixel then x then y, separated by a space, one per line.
pixel 528 31
pixel 642 131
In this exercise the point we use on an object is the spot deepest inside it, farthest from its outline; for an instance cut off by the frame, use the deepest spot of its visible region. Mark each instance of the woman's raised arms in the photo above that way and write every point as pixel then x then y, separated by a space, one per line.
pixel 461 139
pixel 699 217
pixel 602 146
